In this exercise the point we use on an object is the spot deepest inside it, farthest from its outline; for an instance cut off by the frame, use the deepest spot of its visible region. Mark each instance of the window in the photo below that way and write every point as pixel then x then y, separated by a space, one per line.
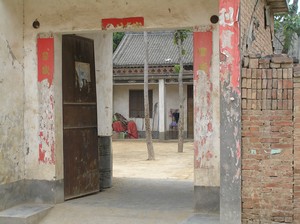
pixel 136 103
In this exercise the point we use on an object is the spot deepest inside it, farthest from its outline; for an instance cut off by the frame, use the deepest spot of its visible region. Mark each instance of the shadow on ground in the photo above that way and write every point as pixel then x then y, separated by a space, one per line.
pixel 133 200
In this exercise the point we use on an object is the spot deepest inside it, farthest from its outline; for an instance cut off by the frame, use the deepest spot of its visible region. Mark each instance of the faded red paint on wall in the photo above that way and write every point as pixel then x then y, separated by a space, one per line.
pixel 229 43
pixel 202 52
pixel 45 57
pixel 230 112
pixel 45 49
pixel 131 22
pixel 230 68
pixel 203 108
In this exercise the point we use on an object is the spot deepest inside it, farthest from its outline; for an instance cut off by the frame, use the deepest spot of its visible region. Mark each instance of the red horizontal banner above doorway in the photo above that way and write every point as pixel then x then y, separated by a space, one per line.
pixel 115 23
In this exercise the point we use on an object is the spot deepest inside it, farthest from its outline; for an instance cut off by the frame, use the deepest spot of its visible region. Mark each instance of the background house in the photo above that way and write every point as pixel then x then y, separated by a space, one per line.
pixel 128 76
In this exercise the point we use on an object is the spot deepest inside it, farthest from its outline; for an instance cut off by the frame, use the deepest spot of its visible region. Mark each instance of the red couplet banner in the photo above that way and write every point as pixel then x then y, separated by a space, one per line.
pixel 45 57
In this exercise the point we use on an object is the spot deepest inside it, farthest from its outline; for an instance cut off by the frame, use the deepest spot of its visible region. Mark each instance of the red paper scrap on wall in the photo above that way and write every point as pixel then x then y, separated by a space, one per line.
pixel 202 52
pixel 45 51
pixel 131 22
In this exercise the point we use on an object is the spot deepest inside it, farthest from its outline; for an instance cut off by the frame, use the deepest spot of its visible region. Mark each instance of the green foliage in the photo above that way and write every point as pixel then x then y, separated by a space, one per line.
pixel 288 24
pixel 177 68
pixel 181 35
pixel 117 37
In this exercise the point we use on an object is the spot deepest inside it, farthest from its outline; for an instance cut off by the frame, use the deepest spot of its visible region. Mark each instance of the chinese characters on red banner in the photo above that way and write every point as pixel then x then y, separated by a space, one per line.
pixel 131 22
pixel 45 50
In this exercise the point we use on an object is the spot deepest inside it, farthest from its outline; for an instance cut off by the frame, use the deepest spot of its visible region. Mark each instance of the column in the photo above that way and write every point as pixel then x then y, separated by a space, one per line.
pixel 162 110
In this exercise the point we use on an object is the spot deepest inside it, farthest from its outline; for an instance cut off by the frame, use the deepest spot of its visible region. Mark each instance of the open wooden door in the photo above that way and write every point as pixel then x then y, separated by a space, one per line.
pixel 81 173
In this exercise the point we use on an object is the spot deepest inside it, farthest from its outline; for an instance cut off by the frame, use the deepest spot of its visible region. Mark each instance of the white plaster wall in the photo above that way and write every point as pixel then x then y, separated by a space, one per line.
pixel 73 16
pixel 121 104
pixel 104 81
pixel 11 91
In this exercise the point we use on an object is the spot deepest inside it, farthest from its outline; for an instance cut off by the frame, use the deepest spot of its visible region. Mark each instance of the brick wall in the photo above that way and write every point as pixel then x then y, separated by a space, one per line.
pixel 262 38
pixel 268 189
pixel 297 144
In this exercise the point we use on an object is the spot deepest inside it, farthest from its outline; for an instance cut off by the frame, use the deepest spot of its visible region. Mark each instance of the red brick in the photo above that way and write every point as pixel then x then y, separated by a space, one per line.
pixel 269 73
pixel 287 84
pixel 282 59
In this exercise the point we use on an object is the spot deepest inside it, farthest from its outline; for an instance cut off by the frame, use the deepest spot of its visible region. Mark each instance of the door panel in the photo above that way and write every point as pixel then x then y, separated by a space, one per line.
pixel 81 173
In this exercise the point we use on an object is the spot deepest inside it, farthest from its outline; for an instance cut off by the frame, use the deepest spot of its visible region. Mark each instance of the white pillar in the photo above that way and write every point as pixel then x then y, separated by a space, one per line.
pixel 162 109
pixel 104 82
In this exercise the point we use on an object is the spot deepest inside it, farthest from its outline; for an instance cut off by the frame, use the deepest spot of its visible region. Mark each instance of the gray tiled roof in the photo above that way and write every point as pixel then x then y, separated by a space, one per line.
pixel 162 50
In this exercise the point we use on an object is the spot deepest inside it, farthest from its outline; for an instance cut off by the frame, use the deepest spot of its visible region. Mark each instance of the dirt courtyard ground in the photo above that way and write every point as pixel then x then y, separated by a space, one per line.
pixel 130 160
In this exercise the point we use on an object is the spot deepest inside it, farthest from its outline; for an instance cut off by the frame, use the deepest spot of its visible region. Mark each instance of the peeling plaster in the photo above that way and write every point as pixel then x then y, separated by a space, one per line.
pixel 46 100
pixel 230 112
pixel 203 121
pixel 205 93
pixel 46 123
pixel 228 29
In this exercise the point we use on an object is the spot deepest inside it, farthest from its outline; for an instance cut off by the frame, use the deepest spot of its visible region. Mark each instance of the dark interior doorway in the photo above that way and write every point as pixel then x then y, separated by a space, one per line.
pixel 190 111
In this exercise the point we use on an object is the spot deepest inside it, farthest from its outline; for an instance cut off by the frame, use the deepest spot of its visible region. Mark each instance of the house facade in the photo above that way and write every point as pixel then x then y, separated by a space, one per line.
pixel 56 83
pixel 128 75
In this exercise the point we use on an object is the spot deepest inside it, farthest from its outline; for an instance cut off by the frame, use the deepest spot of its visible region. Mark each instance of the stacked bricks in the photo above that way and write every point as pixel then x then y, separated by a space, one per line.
pixel 267 83
pixel 297 144
pixel 268 140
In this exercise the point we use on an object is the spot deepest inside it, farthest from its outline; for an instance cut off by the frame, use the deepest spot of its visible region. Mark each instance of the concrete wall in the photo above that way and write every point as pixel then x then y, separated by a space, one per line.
pixel 230 111
pixel 207 120
pixel 12 149
pixel 80 15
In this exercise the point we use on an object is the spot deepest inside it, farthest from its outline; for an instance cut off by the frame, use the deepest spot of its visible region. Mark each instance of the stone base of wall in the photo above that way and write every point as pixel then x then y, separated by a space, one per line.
pixel 44 191
pixel 31 191
pixel 12 194
pixel 207 199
